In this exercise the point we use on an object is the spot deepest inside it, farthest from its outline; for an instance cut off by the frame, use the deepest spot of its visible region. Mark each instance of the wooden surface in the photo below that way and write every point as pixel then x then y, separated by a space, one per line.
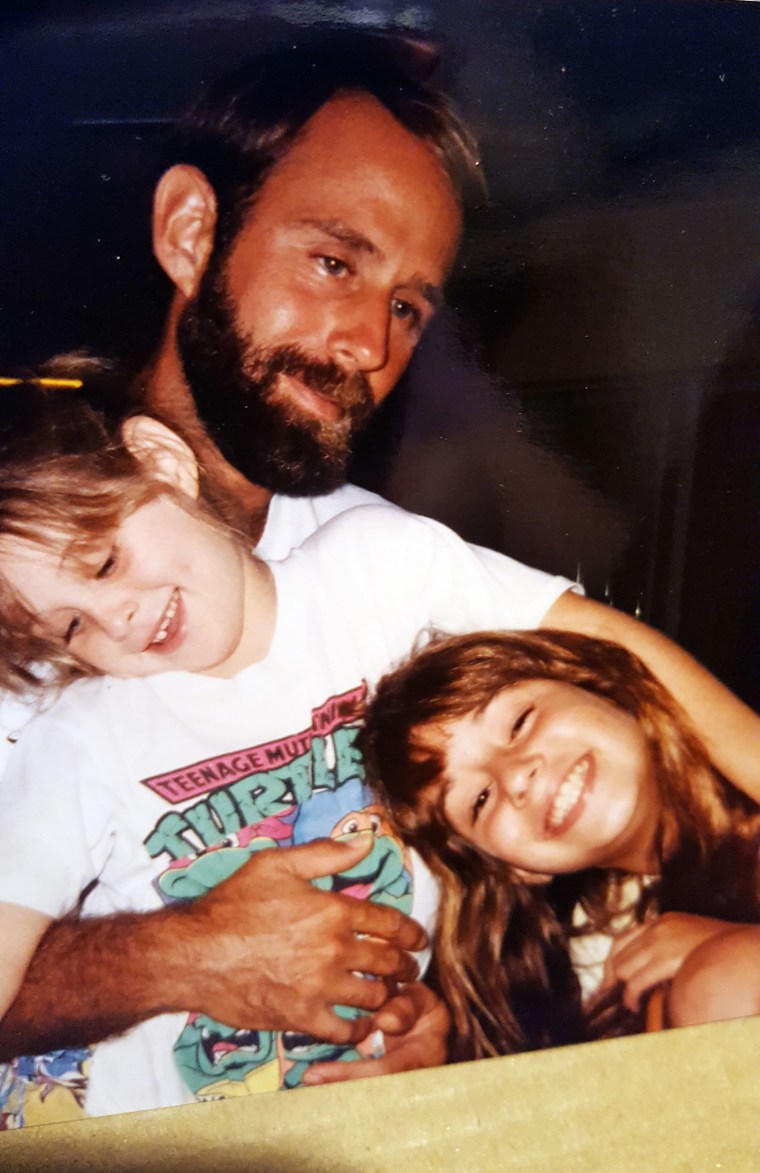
pixel 679 1102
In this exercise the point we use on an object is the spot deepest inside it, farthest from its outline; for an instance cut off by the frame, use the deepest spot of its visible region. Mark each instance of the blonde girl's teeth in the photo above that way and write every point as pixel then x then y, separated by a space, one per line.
pixel 168 616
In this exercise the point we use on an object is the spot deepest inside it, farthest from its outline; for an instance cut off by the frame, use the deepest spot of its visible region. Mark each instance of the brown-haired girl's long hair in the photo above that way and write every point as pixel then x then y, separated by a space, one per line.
pixel 67 480
pixel 502 959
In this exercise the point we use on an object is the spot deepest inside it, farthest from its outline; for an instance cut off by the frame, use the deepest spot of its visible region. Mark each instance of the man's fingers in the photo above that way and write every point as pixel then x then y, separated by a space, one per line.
pixel 329 1027
pixel 305 951
pixel 326 857
pixel 360 992
pixel 309 861
pixel 378 920
pixel 367 955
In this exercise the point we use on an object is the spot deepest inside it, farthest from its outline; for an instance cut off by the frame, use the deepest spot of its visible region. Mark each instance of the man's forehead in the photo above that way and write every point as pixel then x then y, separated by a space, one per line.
pixel 358 176
pixel 353 131
pixel 345 110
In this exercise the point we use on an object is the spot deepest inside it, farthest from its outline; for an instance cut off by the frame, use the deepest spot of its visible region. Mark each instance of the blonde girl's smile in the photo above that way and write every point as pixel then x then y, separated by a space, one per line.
pixel 167 590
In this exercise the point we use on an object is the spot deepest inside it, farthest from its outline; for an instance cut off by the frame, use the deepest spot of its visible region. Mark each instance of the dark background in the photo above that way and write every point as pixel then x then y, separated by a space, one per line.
pixel 590 402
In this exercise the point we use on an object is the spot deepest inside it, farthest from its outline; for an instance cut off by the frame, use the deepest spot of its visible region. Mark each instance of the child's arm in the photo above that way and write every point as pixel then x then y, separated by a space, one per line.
pixel 654 952
pixel 20 932
pixel 415 1025
pixel 719 979
pixel 729 729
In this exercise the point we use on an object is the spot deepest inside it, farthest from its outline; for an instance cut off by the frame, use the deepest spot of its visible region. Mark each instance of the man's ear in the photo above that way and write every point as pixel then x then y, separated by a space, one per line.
pixel 162 453
pixel 184 222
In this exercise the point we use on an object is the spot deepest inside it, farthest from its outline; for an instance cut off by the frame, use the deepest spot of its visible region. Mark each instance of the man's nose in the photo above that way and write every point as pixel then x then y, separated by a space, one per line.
pixel 518 776
pixel 359 335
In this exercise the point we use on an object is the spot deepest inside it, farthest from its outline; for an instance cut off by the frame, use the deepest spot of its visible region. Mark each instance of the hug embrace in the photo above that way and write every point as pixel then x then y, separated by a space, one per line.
pixel 210 713
pixel 198 610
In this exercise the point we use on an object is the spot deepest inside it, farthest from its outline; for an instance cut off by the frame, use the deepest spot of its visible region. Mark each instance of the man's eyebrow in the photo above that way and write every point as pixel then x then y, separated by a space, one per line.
pixel 433 294
pixel 362 244
pixel 340 231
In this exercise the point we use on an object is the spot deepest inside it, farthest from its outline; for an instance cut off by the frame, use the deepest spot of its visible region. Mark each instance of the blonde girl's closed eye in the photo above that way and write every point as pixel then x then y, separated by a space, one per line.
pixel 20 931
pixel 111 557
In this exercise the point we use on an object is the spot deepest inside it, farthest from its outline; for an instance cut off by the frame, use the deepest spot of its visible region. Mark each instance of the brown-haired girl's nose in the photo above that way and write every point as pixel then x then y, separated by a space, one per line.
pixel 518 776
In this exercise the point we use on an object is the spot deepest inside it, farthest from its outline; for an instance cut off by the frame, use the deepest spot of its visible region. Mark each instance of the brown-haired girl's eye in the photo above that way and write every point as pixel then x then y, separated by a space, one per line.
pixel 480 802
pixel 521 720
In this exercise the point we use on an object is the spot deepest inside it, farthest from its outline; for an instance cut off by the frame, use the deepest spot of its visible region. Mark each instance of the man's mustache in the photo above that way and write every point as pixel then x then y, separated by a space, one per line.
pixel 351 393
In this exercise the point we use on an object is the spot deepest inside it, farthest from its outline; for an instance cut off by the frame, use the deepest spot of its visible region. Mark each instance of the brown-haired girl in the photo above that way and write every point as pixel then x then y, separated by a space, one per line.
pixel 536 773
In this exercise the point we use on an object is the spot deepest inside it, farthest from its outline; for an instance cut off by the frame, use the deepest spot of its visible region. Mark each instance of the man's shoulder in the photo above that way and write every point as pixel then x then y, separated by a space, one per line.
pixel 291 520
pixel 373 538
pixel 381 556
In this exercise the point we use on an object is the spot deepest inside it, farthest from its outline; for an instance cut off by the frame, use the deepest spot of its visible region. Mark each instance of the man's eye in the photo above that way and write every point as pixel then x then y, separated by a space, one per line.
pixel 521 720
pixel 480 802
pixel 407 313
pixel 108 566
pixel 72 629
pixel 333 265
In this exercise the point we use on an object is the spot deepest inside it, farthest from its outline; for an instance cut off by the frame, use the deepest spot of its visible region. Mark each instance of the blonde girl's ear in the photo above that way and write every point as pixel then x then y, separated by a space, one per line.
pixel 184 223
pixel 162 453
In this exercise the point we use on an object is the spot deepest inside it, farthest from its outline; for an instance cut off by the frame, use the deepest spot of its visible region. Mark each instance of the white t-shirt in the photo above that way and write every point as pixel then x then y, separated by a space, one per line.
pixel 290 521
pixel 158 788
pixel 42 1089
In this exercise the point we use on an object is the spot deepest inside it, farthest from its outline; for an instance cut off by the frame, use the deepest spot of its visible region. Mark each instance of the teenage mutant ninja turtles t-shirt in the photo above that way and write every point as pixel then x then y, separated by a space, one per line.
pixel 152 791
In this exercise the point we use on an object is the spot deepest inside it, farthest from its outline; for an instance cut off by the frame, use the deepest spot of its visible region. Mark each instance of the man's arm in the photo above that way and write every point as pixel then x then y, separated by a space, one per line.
pixel 20 931
pixel 263 950
pixel 729 729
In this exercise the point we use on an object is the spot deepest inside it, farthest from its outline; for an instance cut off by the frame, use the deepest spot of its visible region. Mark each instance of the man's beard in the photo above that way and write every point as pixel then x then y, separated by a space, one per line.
pixel 269 439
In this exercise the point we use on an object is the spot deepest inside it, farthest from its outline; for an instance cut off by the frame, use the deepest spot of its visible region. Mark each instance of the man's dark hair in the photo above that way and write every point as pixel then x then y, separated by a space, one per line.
pixel 245 122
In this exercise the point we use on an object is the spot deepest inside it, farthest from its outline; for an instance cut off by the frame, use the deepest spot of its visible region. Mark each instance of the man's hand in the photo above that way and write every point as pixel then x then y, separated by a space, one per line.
pixel 265 950
pixel 415 1024
pixel 654 952
pixel 278 953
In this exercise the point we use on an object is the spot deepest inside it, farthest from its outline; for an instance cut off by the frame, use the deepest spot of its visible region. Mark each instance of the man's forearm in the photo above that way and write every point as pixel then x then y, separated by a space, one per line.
pixel 264 950
pixel 93 978
pixel 729 729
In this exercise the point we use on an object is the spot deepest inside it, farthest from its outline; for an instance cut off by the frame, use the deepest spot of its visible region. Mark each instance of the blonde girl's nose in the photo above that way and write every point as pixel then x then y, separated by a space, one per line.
pixel 116 617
